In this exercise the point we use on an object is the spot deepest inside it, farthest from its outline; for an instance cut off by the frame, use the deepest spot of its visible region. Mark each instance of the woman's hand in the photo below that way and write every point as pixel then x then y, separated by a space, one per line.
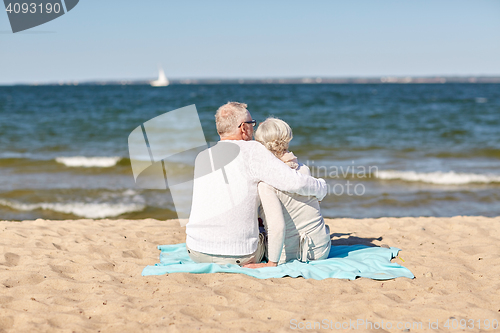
pixel 269 264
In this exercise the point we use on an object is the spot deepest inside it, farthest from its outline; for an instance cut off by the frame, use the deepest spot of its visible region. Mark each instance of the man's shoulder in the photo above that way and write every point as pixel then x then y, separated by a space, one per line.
pixel 251 145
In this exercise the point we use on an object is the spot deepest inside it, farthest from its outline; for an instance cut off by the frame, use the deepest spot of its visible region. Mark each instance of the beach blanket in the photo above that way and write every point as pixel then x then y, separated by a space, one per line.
pixel 344 262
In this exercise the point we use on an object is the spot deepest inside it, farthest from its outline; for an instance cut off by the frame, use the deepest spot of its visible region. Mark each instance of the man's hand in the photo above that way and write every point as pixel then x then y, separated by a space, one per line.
pixel 269 264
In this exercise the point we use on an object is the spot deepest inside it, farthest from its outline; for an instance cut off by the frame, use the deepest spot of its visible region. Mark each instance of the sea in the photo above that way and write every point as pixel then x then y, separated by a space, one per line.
pixel 384 149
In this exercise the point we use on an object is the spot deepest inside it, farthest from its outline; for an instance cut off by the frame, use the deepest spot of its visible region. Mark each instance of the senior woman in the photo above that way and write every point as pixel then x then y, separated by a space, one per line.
pixel 295 227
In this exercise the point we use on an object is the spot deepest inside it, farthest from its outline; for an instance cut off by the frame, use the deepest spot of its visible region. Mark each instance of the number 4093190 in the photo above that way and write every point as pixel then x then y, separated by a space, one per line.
pixel 471 323
pixel 33 8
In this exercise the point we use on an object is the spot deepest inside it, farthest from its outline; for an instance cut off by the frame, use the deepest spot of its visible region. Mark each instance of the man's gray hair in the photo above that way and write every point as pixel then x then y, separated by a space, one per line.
pixel 229 117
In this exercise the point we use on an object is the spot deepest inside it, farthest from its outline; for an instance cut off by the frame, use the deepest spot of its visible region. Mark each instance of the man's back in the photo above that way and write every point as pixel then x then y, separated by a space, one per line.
pixel 223 205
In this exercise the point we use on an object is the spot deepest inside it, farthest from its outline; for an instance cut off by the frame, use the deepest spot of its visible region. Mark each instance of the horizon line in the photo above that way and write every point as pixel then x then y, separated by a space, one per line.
pixel 388 79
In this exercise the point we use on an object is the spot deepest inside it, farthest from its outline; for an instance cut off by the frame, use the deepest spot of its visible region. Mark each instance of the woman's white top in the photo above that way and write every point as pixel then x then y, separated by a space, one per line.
pixel 290 218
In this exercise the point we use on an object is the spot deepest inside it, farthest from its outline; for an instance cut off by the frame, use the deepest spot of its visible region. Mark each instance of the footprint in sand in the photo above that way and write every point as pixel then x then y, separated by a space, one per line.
pixel 11 259
pixel 132 254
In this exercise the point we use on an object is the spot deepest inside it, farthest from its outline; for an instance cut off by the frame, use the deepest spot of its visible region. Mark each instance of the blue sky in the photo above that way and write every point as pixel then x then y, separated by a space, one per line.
pixel 111 39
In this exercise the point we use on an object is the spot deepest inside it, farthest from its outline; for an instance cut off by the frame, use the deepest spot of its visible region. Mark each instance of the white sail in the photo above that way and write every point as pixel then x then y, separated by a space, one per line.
pixel 162 80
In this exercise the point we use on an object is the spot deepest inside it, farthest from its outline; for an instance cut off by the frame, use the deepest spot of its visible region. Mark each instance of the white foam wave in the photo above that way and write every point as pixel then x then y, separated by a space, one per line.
pixel 438 177
pixel 87 210
pixel 88 162
pixel 129 192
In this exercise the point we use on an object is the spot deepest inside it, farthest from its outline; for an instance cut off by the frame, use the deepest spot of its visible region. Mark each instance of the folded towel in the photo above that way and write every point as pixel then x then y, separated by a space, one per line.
pixel 344 262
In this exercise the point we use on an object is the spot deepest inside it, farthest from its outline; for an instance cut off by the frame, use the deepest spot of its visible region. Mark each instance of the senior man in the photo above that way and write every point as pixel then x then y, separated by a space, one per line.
pixel 223 226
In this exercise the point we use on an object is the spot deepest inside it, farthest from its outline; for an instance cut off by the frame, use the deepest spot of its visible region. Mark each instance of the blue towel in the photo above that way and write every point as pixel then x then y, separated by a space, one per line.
pixel 344 262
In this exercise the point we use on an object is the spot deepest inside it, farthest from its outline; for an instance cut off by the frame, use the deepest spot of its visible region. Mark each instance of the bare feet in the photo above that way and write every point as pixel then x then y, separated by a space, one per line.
pixel 269 264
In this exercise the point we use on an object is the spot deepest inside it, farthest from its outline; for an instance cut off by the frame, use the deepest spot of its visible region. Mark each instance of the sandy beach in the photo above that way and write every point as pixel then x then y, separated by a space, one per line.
pixel 85 276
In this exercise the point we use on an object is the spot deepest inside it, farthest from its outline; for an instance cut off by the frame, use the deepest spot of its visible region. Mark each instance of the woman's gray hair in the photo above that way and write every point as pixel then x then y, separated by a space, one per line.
pixel 275 135
pixel 229 116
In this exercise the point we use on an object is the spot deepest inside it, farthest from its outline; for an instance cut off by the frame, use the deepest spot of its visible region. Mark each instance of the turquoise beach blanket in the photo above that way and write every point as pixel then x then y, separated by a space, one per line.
pixel 344 262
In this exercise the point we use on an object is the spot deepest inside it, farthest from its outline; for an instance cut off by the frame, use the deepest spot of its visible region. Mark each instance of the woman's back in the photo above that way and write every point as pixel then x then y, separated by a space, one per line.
pixel 303 217
pixel 306 237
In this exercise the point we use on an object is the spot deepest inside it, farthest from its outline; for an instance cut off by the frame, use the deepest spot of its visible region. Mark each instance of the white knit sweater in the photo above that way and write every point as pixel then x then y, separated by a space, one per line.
pixel 223 216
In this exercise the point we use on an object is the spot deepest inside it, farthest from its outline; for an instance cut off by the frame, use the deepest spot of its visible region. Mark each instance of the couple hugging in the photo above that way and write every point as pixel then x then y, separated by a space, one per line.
pixel 247 179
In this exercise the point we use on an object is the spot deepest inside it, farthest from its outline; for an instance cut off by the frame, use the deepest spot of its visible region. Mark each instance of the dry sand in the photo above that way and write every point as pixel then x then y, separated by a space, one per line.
pixel 85 276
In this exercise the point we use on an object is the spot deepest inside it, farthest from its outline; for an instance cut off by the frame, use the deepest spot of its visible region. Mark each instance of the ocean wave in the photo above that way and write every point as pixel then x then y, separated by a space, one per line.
pixel 438 177
pixel 88 162
pixel 87 210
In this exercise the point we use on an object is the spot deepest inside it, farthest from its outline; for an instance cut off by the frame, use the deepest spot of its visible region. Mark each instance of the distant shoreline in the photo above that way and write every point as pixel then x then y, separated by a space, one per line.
pixel 303 80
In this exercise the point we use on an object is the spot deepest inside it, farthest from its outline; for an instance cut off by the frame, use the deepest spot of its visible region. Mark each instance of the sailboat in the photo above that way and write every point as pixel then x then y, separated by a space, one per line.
pixel 162 80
